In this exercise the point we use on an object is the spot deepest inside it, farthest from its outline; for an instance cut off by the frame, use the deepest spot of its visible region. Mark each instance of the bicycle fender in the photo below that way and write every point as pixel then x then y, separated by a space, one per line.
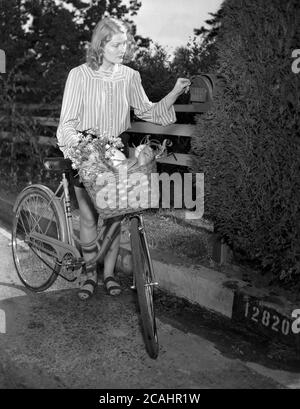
pixel 56 202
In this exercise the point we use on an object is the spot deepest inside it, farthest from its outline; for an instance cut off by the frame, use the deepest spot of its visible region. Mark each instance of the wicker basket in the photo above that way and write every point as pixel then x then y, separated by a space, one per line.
pixel 123 190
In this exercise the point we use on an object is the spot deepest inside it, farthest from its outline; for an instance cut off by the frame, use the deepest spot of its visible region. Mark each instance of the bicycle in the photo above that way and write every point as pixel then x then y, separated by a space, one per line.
pixel 44 244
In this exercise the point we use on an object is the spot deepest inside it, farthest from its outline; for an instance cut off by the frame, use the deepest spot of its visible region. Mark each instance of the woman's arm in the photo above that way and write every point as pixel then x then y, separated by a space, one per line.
pixel 182 85
pixel 70 111
pixel 161 112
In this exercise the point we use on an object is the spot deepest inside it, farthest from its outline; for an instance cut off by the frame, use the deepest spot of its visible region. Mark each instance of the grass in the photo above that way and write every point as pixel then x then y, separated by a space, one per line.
pixel 164 232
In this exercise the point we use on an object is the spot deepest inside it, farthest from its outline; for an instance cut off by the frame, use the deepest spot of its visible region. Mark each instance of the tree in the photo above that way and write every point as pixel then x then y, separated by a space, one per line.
pixel 53 38
pixel 15 43
pixel 57 44
pixel 154 67
pixel 199 55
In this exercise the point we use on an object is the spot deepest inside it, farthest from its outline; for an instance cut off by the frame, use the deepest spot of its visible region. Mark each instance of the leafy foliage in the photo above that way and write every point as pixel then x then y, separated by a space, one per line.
pixel 199 55
pixel 154 67
pixel 248 146
pixel 55 38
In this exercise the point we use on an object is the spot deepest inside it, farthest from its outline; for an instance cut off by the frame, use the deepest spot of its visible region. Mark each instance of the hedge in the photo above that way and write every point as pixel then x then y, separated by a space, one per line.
pixel 248 145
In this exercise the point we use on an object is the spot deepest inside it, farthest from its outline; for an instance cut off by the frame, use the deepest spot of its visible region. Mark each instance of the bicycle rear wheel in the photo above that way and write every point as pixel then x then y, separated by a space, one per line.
pixel 142 269
pixel 36 209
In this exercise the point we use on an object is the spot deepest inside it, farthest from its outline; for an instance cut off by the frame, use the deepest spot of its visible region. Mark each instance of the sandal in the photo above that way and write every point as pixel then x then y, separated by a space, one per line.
pixel 88 286
pixel 114 289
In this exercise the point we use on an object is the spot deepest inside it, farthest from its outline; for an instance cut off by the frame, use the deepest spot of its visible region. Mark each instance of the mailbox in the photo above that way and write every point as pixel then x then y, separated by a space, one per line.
pixel 201 89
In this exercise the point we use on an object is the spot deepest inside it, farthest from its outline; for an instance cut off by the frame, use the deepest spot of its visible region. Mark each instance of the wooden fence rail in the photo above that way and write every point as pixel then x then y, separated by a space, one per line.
pixel 138 127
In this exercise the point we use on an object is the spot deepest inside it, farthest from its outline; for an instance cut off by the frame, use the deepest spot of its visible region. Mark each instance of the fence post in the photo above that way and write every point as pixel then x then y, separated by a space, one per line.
pixel 222 254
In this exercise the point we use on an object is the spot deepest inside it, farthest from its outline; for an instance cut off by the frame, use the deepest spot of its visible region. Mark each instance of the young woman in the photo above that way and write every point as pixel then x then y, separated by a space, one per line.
pixel 99 94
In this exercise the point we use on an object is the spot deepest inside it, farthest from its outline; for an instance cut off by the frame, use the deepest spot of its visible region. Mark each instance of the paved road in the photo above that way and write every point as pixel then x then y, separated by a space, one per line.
pixel 53 340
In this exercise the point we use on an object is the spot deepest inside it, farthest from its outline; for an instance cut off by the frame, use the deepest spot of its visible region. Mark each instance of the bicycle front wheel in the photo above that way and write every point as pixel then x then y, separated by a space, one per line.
pixel 142 269
pixel 36 210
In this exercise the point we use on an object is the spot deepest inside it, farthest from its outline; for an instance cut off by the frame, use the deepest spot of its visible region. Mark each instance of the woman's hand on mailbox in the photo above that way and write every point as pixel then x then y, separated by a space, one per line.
pixel 182 86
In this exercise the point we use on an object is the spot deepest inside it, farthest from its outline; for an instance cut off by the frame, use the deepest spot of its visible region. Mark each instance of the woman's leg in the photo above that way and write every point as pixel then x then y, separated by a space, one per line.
pixel 88 232
pixel 110 259
pixel 88 219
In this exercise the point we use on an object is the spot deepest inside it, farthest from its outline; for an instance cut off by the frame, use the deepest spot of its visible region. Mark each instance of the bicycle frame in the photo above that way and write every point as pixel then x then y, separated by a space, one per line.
pixel 61 249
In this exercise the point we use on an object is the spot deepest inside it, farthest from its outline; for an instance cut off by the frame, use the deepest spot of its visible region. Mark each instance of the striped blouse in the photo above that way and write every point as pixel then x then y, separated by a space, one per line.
pixel 99 99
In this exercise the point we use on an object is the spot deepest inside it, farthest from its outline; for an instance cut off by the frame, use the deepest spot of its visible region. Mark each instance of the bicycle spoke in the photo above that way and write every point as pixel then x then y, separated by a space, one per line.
pixel 23 223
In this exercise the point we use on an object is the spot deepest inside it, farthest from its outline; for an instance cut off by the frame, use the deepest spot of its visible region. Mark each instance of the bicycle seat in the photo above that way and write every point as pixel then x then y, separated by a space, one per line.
pixel 58 164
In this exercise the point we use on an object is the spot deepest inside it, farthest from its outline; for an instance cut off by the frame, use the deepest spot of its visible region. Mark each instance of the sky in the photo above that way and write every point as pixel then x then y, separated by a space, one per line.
pixel 171 22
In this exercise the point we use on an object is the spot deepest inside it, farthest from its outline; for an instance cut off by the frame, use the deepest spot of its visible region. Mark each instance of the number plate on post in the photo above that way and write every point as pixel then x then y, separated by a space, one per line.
pixel 264 319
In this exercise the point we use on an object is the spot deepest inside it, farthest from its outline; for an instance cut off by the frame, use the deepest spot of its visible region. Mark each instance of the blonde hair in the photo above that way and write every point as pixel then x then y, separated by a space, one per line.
pixel 102 34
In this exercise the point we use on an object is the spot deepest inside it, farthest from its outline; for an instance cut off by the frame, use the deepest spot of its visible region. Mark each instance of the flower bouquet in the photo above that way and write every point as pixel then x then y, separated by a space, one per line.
pixel 94 153
pixel 116 185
